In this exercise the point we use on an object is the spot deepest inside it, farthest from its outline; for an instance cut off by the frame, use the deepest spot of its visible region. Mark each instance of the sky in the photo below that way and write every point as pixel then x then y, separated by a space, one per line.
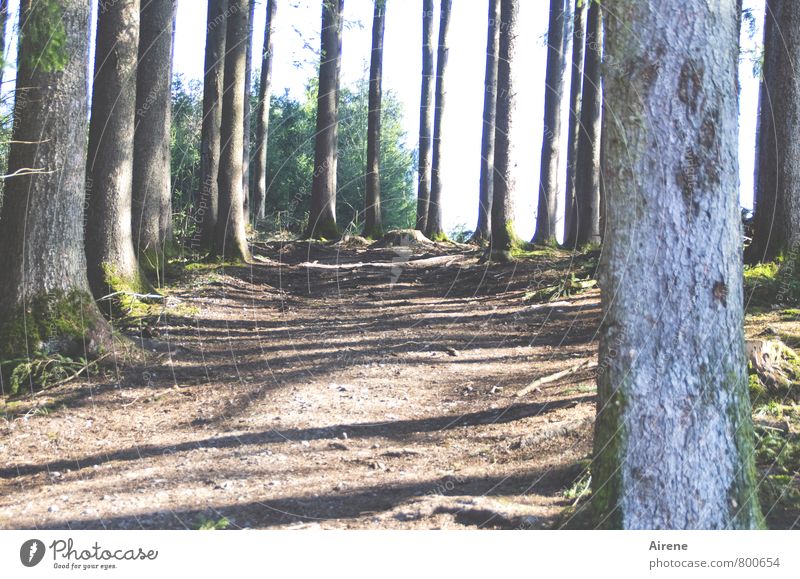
pixel 297 40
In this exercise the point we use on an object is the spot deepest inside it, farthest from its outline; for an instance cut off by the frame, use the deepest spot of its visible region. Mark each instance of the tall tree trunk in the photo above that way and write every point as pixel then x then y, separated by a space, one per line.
pixel 434 227
pixel 426 116
pixel 3 21
pixel 587 187
pixel 373 226
pixel 777 197
pixel 503 237
pixel 262 115
pixel 112 262
pixel 578 51
pixel 45 304
pixel 248 89
pixel 152 183
pixel 230 238
pixel 673 440
pixel 557 44
pixel 207 210
pixel 322 219
pixel 483 229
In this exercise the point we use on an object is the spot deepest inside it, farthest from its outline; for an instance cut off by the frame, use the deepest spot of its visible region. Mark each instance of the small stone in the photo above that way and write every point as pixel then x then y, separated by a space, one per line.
pixel 53 509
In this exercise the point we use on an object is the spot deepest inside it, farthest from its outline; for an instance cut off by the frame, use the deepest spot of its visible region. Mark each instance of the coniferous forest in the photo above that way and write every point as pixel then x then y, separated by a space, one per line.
pixel 246 298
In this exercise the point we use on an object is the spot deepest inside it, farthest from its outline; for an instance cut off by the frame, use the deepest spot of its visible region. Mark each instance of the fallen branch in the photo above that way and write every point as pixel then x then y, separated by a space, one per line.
pixel 586 364
pixel 94 362
pixel 155 297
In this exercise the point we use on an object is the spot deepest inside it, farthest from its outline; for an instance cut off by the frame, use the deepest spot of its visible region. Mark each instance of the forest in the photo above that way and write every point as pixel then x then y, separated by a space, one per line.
pixel 228 303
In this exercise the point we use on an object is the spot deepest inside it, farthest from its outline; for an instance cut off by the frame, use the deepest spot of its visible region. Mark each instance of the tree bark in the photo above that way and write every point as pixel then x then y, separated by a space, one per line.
pixel 248 89
pixel 152 183
pixel 578 52
pixel 262 115
pixel 434 227
pixel 45 303
pixel 483 229
pixel 207 210
pixel 322 219
pixel 110 254
pixel 587 188
pixel 557 43
pixel 777 196
pixel 673 438
pixel 425 116
pixel 373 226
pixel 503 237
pixel 230 238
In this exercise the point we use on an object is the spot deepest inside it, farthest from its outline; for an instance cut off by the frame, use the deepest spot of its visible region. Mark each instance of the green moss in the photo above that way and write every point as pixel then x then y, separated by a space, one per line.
pixel 610 439
pixel 323 230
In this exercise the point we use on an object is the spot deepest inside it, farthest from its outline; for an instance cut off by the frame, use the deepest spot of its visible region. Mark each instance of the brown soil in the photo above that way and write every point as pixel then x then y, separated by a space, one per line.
pixel 332 386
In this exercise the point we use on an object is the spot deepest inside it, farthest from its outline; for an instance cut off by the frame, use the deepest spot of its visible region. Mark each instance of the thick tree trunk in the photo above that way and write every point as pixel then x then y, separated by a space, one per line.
pixel 248 89
pixel 207 210
pixel 112 262
pixel 230 241
pixel 45 303
pixel 373 226
pixel 483 229
pixel 426 116
pixel 152 183
pixel 578 51
pixel 673 441
pixel 434 228
pixel 777 197
pixel 587 187
pixel 503 237
pixel 262 115
pixel 322 219
pixel 557 44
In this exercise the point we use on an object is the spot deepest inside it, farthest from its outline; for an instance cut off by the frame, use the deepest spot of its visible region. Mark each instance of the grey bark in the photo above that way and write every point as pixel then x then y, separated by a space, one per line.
pixel 578 52
pixel 434 227
pixel 112 262
pixel 207 210
pixel 373 226
pixel 557 44
pixel 41 223
pixel 483 229
pixel 322 218
pixel 673 439
pixel 248 89
pixel 262 115
pixel 777 196
pixel 152 183
pixel 230 239
pixel 587 188
pixel 503 237
pixel 426 116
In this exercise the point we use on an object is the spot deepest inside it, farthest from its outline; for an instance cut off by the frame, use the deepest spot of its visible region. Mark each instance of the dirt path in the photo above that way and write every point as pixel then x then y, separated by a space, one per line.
pixel 323 386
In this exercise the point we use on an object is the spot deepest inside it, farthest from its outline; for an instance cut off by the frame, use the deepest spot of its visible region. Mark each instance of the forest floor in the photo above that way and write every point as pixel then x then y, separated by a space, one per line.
pixel 327 386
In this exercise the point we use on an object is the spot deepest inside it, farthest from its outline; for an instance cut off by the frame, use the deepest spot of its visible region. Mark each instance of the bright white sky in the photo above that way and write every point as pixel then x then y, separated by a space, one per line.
pixel 298 31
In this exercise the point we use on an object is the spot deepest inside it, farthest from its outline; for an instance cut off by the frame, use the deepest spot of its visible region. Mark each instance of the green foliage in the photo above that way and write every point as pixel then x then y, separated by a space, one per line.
pixel 778 454
pixel 41 372
pixel 569 286
pixel 208 524
pixel 187 122
pixel 774 283
pixel 44 36
pixel 461 233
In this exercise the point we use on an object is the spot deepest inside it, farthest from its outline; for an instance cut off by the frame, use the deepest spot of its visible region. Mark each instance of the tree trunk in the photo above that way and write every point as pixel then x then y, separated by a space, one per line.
pixel 557 43
pixel 434 228
pixel 152 183
pixel 587 187
pixel 777 207
pixel 262 115
pixel 3 21
pixel 673 439
pixel 230 238
pixel 248 89
pixel 112 262
pixel 503 237
pixel 483 230
pixel 578 51
pixel 45 304
pixel 322 219
pixel 373 226
pixel 207 210
pixel 425 117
